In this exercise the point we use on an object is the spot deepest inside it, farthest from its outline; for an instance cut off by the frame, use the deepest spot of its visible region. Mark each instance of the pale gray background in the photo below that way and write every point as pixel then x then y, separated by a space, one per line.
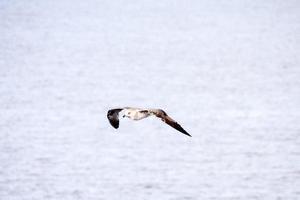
pixel 228 71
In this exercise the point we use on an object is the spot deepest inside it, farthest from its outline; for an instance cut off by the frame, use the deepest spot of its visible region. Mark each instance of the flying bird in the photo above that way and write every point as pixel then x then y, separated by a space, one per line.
pixel 138 114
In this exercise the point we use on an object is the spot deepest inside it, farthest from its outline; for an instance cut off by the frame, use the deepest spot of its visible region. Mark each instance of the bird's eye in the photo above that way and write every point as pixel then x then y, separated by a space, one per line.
pixel 128 113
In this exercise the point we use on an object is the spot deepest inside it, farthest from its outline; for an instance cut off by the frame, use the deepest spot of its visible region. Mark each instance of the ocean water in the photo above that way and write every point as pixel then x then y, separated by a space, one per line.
pixel 227 71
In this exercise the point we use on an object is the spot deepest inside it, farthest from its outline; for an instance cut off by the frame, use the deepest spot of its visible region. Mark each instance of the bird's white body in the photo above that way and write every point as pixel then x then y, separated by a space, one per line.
pixel 135 113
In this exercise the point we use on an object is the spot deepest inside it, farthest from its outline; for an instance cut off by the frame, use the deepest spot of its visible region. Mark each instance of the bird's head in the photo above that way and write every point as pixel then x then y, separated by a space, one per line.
pixel 126 113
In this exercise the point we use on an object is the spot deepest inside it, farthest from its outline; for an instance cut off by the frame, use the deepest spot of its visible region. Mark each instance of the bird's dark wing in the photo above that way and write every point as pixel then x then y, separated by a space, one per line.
pixel 168 120
pixel 113 117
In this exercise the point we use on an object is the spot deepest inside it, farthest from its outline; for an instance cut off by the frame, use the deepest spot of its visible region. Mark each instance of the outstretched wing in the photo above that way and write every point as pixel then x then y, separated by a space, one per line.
pixel 168 120
pixel 113 117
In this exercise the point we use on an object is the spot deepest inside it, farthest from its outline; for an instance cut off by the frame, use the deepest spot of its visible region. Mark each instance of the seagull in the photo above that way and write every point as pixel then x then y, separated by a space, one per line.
pixel 138 114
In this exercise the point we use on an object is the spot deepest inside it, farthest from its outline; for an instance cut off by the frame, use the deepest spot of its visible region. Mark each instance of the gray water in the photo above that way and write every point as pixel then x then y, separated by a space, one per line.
pixel 227 71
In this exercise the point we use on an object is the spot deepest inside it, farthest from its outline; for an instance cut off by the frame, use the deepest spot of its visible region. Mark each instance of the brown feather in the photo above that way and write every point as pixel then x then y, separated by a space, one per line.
pixel 168 120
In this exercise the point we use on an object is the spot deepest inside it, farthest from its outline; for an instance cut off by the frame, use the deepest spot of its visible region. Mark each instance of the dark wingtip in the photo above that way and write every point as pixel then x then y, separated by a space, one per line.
pixel 179 128
pixel 186 133
pixel 114 124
